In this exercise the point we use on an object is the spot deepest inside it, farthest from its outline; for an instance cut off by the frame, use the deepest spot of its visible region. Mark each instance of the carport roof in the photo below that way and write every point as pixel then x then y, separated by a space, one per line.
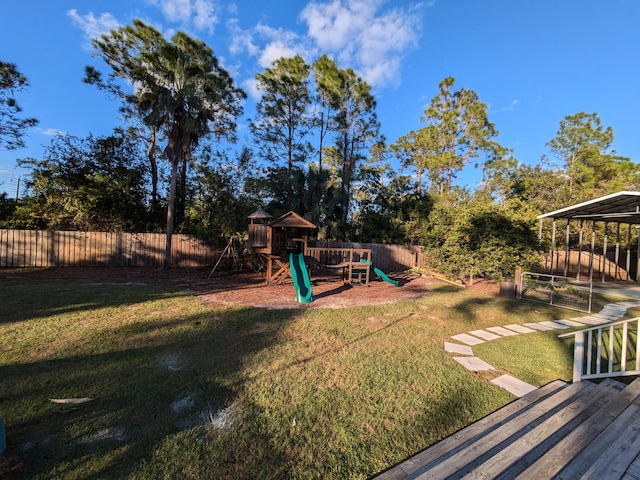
pixel 621 207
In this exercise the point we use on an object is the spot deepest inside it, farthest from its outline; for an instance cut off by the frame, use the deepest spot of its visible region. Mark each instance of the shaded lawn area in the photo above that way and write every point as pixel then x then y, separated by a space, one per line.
pixel 181 389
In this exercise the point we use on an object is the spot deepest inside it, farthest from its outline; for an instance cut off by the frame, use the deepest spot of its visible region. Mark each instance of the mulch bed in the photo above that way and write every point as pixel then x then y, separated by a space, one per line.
pixel 250 289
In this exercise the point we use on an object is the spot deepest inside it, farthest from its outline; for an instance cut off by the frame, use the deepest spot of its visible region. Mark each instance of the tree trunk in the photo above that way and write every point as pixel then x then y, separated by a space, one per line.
pixel 170 213
pixel 153 164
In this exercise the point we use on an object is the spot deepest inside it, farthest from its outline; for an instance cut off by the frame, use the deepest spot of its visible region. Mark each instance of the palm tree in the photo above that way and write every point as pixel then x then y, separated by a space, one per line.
pixel 179 90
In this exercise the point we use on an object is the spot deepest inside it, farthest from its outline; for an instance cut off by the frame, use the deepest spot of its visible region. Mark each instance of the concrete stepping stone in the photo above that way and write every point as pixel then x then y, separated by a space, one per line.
pixel 590 320
pixel 537 326
pixel 473 364
pixel 513 385
pixel 553 325
pixel 457 348
pixel 502 331
pixel 519 328
pixel 602 320
pixel 613 312
pixel 467 339
pixel 570 323
pixel 483 334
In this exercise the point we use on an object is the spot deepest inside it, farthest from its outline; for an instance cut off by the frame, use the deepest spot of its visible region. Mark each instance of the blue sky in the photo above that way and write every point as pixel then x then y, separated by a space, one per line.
pixel 531 62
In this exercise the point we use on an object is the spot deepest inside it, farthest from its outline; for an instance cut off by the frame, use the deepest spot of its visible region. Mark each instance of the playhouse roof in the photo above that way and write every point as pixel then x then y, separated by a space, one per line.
pixel 620 207
pixel 291 220
pixel 259 215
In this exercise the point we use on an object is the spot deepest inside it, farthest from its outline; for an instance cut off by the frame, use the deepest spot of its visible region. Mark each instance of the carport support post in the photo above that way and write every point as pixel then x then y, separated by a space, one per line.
pixel 579 251
pixel 553 247
pixel 638 255
pixel 617 256
pixel 593 251
pixel 603 267
pixel 628 263
pixel 566 248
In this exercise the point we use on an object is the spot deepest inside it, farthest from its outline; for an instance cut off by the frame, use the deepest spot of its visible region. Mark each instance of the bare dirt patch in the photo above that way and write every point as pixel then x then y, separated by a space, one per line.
pixel 250 289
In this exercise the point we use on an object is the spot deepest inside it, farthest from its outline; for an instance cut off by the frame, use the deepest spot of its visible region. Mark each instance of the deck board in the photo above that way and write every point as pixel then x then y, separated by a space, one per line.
pixel 498 437
pixel 616 458
pixel 458 439
pixel 524 450
pixel 564 451
pixel 610 436
pixel 582 430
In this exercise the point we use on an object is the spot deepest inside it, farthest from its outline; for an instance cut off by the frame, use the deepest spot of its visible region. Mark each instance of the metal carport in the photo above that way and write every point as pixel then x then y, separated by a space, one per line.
pixel 619 209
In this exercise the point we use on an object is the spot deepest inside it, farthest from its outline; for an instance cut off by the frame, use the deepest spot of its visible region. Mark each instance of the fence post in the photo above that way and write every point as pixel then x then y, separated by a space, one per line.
pixel 578 356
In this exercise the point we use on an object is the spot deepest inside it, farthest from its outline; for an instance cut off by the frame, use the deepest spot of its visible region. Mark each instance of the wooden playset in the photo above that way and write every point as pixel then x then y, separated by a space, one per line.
pixel 277 239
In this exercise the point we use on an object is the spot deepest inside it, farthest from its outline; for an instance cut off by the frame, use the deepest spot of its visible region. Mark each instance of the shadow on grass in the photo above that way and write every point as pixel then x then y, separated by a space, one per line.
pixel 156 379
pixel 30 299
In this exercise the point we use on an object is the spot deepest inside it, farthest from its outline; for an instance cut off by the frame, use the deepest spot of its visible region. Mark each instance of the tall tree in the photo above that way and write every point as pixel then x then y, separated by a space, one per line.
pixel 326 76
pixel 457 130
pixel 283 124
pixel 355 126
pixel 12 126
pixel 414 151
pixel 583 144
pixel 180 89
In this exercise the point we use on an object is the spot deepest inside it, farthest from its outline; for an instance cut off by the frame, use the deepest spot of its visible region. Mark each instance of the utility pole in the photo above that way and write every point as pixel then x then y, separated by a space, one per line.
pixel 17 188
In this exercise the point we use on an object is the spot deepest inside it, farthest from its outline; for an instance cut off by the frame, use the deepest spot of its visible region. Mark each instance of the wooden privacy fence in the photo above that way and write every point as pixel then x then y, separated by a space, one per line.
pixel 35 248
pixel 581 264
pixel 38 248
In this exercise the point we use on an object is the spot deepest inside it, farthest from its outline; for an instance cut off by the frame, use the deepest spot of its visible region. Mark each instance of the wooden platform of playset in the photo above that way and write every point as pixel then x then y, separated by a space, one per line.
pixel 354 262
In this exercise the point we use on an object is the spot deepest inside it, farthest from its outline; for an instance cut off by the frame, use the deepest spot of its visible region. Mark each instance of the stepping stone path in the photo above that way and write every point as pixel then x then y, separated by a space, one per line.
pixel 609 313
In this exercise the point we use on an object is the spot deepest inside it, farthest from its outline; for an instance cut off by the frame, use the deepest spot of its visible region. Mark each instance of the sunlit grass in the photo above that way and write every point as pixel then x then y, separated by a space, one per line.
pixel 184 390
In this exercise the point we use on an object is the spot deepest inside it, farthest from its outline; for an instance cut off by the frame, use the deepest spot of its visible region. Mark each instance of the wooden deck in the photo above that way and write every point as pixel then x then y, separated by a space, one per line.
pixel 561 431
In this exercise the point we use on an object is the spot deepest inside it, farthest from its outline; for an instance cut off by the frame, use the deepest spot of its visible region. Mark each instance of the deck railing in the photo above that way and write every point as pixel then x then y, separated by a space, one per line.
pixel 339 256
pixel 609 350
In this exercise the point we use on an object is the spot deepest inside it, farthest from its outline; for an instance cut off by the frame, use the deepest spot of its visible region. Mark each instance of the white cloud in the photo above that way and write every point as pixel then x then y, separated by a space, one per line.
pixel 241 40
pixel 279 43
pixel 512 106
pixel 267 43
pixel 333 25
pixel 204 17
pixel 360 34
pixel 51 132
pixel 251 87
pixel 275 50
pixel 199 14
pixel 92 26
pixel 176 11
pixel 365 38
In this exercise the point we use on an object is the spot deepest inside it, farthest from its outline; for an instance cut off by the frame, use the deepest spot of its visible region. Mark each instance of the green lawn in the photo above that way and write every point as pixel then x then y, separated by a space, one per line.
pixel 180 389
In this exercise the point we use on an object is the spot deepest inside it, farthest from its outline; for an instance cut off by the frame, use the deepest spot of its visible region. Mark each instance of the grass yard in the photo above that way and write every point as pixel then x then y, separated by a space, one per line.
pixel 181 389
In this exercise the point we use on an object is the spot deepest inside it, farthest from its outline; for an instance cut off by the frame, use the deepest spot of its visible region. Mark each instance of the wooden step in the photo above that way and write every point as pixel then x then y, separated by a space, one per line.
pixel 518 453
pixel 558 457
pixel 573 397
pixel 560 431
pixel 468 434
pixel 613 451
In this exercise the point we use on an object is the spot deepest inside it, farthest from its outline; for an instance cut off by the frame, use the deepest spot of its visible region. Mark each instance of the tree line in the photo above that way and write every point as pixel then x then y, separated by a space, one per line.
pixel 315 147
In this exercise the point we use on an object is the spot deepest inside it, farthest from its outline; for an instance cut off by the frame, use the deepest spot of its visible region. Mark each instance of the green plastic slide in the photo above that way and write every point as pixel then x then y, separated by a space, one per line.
pixel 300 277
pixel 381 274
